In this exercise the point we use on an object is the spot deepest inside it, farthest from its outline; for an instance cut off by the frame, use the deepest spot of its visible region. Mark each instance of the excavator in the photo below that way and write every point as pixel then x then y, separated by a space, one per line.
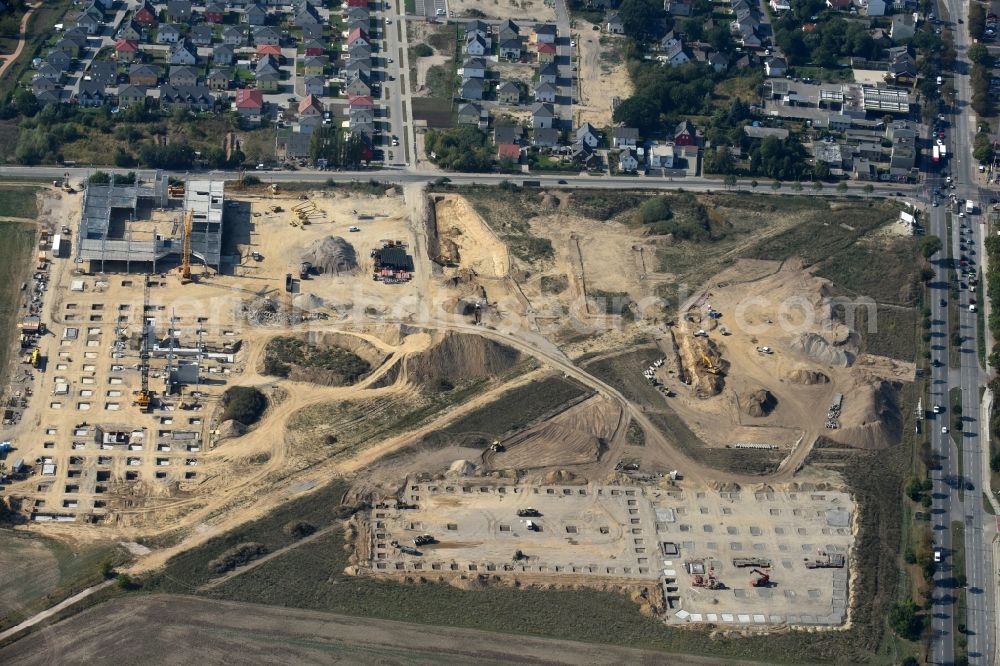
pixel 762 579
pixel 708 364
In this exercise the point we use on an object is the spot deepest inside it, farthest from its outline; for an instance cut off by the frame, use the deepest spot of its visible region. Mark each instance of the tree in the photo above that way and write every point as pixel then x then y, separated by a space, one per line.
pixel 462 148
pixel 842 186
pixel 641 18
pixel 929 246
pixel 868 188
pixel 337 147
pixel 730 181
pixel 776 185
pixel 980 55
pixel 797 186
pixel 982 148
pixel 243 403
pixel 754 184
pixel 905 621
pixel 817 185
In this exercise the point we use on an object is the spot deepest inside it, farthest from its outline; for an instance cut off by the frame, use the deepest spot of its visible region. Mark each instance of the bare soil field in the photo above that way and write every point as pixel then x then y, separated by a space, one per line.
pixel 527 10
pixel 602 75
pixel 188 629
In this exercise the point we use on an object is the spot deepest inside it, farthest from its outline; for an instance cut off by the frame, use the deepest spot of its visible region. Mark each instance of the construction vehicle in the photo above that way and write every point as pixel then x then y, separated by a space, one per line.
pixel 274 188
pixel 707 581
pixel 762 579
pixel 185 269
pixel 304 268
pixel 752 562
pixel 708 364
pixel 256 256
pixel 423 540
pixel 36 358
pixel 532 527
pixel 497 447
pixel 528 512
pixel 827 561
pixel 175 190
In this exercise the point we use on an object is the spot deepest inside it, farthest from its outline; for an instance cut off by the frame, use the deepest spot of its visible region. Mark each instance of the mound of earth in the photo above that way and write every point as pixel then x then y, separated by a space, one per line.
pixel 807 377
pixel 870 418
pixel 461 468
pixel 816 348
pixel 458 358
pixel 231 428
pixel 758 403
pixel 308 301
pixel 559 476
pixel 331 256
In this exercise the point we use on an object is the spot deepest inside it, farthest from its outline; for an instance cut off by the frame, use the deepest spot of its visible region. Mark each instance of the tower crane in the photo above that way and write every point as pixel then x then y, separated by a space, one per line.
pixel 185 268
pixel 144 398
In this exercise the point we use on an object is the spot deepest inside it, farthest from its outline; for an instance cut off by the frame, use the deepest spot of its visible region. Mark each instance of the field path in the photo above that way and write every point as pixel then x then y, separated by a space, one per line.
pixel 45 614
pixel 20 42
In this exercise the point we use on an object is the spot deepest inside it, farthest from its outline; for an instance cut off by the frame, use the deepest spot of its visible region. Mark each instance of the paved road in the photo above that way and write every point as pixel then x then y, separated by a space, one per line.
pixel 947 506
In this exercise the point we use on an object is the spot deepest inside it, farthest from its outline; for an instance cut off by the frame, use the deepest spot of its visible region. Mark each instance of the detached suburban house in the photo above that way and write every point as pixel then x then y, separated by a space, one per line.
pixel 508 92
pixel 143 75
pixel 545 92
pixel 471 89
pixel 548 73
pixel 614 24
pixel 126 50
pixel 250 105
pixel 168 34
pixel 624 137
pixel 542 116
pixel 129 96
pixel 310 114
pixel 473 114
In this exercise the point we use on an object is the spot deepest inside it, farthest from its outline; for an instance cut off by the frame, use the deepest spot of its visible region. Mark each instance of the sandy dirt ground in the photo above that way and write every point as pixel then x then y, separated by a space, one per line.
pixel 424 64
pixel 528 10
pixel 190 629
pixel 600 79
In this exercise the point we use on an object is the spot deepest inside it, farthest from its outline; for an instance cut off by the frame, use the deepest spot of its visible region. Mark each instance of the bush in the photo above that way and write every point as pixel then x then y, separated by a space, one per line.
pixel 298 529
pixel 905 621
pixel 423 51
pixel 243 403
pixel 341 366
pixel 238 555
pixel 463 148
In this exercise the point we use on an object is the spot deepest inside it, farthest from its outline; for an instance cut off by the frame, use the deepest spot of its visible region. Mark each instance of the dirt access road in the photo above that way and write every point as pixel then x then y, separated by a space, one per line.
pixel 9 60
pixel 187 629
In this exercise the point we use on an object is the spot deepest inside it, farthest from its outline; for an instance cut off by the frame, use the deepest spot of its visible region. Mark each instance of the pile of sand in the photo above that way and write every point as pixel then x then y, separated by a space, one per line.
pixel 308 301
pixel 461 468
pixel 459 358
pixel 231 428
pixel 758 403
pixel 559 476
pixel 331 256
pixel 816 348
pixel 807 377
pixel 871 418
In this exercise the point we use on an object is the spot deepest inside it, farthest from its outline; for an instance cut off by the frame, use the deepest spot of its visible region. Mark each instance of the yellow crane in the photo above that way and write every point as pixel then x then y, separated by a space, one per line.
pixel 186 247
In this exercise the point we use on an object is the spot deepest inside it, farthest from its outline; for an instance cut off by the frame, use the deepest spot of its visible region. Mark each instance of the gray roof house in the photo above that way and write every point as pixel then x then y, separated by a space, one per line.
pixel 179 10
pixel 47 71
pixel 201 35
pixel 508 92
pixel 196 98
pixel 253 15
pixel 588 134
pixel 59 59
pixel 624 137
pixel 183 76
pixel 511 49
pixel 91 94
pixel 474 68
pixel 104 71
pixel 471 89
pixel 234 36
pixel 223 54
pixel 548 73
pixel 545 137
pixel 89 24
pixel 129 95
pixel 473 114
pixel 219 78
pixel 168 33
pixel 266 35
pixel 545 92
pixel 542 115
pixel 315 85
pixel 508 30
pixel 183 53
pixel 508 134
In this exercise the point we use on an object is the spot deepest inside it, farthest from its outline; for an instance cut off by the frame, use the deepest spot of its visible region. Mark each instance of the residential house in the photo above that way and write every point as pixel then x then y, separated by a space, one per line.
pixel 719 62
pixel 234 36
pixel 126 50
pixel 475 45
pixel 314 47
pixel 143 75
pixel 361 111
pixel 195 98
pixel 473 114
pixel 685 134
pixel 104 71
pixel 310 114
pixel 130 30
pixel 306 15
pixel 168 33
pixel 775 66
pixel 59 59
pixel 471 89
pixel 357 36
pixel 778 6
pixel 89 23
pixel 183 76
pixel 47 71
pixel 314 65
pixel 624 137
pixel 680 8
pixel 474 68
pixel 266 35
pixel 77 37
pixel 508 134
pixel 764 132
pixel 508 30
pixel 357 24
pixel 46 97
pixel 548 73
pixel 542 115
pixel 311 31
pixel 584 156
pixel 510 49
pixel 145 15
pixel 358 66
pixel 628 160
pixel 477 27
pixel 179 11
pixel 202 35
pixel 253 15
pixel 272 50
pixel 268 81
pixel 129 96
pixel 546 52
pixel 215 12
pixel 223 54
pixel 545 33
pixel 314 85
pixel 902 71
pixel 509 151
pixel 362 50
pixel 614 24
pixel 545 92
pixel 250 105
pixel 508 92
pixel 589 135
pixel 876 7
pixel 183 53
pixel 356 14
pixel 44 84
pixel 71 47
pixel 675 55
pixel 358 86
pixel 219 78
pixel 903 27
pixel 661 156
pixel 904 154
pixel 545 137
pixel 92 94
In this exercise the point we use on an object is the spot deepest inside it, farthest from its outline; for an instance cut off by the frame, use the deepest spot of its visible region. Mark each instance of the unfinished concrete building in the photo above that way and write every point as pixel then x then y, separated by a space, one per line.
pixel 136 227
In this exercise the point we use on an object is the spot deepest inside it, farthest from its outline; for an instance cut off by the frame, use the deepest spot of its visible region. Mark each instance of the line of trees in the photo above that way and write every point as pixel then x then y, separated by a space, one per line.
pixel 337 147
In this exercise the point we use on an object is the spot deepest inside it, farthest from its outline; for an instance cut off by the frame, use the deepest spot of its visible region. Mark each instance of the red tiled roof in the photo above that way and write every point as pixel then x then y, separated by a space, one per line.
pixel 544 47
pixel 129 45
pixel 357 33
pixel 511 150
pixel 361 100
pixel 249 98
pixel 269 49
pixel 310 101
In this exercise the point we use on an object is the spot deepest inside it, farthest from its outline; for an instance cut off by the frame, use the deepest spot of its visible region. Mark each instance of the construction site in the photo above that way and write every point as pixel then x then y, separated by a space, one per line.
pixel 471 381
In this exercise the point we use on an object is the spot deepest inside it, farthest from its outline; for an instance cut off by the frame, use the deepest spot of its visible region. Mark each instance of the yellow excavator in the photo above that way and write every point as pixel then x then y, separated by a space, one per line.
pixel 708 364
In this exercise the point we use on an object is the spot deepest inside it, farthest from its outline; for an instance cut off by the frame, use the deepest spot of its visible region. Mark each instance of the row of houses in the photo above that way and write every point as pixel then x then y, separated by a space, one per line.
pixel 358 82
